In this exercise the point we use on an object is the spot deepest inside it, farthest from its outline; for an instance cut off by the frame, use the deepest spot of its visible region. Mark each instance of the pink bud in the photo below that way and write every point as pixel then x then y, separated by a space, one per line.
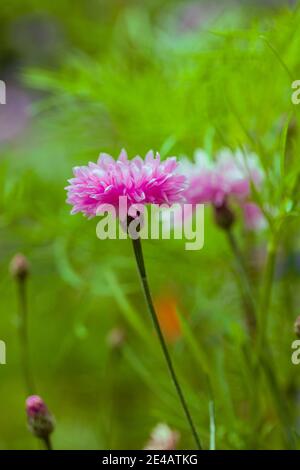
pixel 40 420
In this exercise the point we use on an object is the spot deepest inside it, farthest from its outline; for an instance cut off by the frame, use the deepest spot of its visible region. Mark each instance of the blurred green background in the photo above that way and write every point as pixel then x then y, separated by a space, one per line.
pixel 98 75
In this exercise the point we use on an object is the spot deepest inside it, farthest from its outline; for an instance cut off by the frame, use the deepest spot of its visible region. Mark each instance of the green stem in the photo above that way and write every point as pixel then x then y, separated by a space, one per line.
pixel 280 403
pixel 48 443
pixel 264 353
pixel 244 282
pixel 137 247
pixel 265 298
pixel 25 357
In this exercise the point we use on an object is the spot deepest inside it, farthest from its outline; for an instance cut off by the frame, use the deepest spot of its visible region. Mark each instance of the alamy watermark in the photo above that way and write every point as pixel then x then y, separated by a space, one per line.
pixel 295 358
pixel 2 352
pixel 296 93
pixel 2 92
pixel 178 222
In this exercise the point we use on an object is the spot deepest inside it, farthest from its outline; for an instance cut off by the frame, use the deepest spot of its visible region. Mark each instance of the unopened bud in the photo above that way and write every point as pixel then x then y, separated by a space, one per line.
pixel 115 338
pixel 162 438
pixel 297 327
pixel 224 216
pixel 40 420
pixel 19 266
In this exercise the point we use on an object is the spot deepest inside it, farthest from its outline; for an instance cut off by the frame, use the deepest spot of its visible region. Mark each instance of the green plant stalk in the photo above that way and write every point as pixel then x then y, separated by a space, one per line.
pixel 263 350
pixel 47 442
pixel 281 405
pixel 265 298
pixel 260 316
pixel 137 248
pixel 23 320
pixel 25 356
pixel 244 282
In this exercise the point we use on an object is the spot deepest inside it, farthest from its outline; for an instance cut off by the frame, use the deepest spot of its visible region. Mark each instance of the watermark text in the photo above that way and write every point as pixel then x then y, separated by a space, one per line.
pixel 2 92
pixel 178 222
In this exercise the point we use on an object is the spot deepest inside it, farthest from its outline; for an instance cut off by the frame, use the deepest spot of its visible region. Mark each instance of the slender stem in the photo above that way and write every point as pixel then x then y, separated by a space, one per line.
pixel 264 353
pixel 137 247
pixel 283 410
pixel 244 281
pixel 48 443
pixel 264 305
pixel 262 314
pixel 25 357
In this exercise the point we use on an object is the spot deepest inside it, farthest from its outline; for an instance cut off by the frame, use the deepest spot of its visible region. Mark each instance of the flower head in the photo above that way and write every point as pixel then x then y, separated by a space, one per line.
pixel 148 181
pixel 162 438
pixel 19 267
pixel 40 420
pixel 227 179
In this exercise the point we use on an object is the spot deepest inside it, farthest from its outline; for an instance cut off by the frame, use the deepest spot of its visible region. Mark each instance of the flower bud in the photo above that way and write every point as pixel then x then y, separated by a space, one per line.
pixel 224 216
pixel 162 438
pixel 19 267
pixel 40 420
pixel 116 338
pixel 297 327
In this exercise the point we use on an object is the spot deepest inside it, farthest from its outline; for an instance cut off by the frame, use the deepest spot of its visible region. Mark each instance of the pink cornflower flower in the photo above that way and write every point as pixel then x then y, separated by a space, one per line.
pixel 226 180
pixel 148 181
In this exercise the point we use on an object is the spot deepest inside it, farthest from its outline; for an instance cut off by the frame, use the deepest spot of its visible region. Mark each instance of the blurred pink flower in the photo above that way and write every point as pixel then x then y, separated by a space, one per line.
pixel 225 180
pixel 15 114
pixel 162 438
pixel 148 181
pixel 253 216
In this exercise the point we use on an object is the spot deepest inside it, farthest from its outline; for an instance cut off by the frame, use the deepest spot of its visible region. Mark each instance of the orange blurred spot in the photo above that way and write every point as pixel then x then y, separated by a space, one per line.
pixel 166 309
